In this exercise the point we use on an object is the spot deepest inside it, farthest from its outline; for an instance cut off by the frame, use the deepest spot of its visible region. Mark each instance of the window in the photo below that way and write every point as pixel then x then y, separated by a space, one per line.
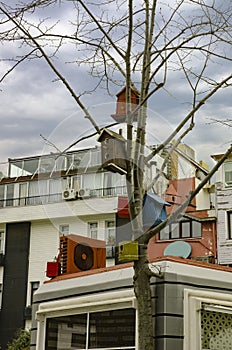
pixel 229 223
pixel 22 193
pixel 110 238
pixel 216 327
pixel 9 194
pixel 55 190
pixel 182 229
pixel 109 329
pixel 93 229
pixel 38 192
pixel 110 232
pixel 1 241
pixel 228 173
pixel 110 183
pixel 34 287
pixel 64 229
pixel 79 315
pixel 2 191
pixel 207 320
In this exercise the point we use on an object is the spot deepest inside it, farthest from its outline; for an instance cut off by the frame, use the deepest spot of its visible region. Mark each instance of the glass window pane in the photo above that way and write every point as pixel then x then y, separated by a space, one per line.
pixel 114 328
pixel 229 216
pixel 110 232
pixel 2 191
pixel 164 234
pixel 185 226
pixel 9 194
pixel 175 230
pixel 228 173
pixel 196 229
pixel 93 228
pixel 216 330
pixel 22 193
pixel 1 241
pixel 65 333
pixel 55 190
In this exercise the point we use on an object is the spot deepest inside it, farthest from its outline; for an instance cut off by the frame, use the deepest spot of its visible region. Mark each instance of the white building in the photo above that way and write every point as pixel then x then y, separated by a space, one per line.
pixel 192 308
pixel 44 197
pixel 41 198
pixel 224 210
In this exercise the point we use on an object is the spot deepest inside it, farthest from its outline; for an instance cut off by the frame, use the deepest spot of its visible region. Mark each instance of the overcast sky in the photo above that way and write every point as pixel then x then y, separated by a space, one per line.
pixel 32 104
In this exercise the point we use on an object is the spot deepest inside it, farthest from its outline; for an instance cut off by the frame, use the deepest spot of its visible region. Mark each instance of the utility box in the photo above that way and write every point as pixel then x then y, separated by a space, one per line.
pixel 128 251
pixel 53 269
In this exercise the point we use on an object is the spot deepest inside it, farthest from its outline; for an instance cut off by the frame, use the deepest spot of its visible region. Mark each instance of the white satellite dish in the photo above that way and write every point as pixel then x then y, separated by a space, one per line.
pixel 178 248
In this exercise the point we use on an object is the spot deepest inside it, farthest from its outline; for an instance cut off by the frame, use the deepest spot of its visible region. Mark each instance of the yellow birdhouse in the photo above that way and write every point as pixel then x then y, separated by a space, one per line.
pixel 128 251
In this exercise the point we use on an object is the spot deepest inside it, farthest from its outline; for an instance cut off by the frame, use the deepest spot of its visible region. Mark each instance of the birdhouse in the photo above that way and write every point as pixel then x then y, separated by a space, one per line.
pixel 128 251
pixel 120 115
pixel 113 151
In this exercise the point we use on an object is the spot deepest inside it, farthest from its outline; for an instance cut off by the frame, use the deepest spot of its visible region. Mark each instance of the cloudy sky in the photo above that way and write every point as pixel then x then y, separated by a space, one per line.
pixel 33 104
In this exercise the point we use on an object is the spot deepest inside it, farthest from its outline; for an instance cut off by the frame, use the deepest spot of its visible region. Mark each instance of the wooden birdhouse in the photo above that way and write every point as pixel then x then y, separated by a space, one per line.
pixel 120 115
pixel 113 151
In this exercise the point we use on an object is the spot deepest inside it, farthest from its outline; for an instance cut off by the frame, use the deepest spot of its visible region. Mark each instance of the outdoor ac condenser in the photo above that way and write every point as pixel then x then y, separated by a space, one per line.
pixel 78 253
pixel 69 193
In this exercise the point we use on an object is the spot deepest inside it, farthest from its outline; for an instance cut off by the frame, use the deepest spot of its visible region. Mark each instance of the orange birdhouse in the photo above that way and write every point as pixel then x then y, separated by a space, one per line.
pixel 120 115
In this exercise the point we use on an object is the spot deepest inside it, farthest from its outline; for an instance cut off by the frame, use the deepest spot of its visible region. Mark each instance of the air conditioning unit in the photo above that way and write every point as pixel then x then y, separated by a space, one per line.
pixel 78 253
pixel 207 259
pixel 84 193
pixel 69 193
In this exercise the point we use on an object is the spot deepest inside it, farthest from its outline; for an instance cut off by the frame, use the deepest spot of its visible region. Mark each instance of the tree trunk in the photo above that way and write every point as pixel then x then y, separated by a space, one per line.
pixel 144 302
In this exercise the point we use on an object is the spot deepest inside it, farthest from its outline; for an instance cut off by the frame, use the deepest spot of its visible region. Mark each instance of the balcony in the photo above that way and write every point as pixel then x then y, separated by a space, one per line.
pixel 58 197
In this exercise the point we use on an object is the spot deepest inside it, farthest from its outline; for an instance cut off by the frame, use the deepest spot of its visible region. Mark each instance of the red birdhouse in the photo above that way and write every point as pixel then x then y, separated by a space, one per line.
pixel 120 115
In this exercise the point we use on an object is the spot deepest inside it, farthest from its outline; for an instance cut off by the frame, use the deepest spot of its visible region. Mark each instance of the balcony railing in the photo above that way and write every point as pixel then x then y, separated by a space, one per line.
pixel 57 197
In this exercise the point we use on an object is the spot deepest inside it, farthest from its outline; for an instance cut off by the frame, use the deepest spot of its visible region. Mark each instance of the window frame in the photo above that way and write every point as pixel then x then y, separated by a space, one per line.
pixel 2 241
pixel 229 164
pixel 64 229
pixel 179 225
pixel 107 231
pixel 229 224
pixel 93 229
pixel 194 301
pixel 34 286
pixel 101 301
pixel 89 329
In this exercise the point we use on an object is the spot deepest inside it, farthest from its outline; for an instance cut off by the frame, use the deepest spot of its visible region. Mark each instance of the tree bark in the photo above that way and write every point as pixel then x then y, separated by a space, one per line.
pixel 144 301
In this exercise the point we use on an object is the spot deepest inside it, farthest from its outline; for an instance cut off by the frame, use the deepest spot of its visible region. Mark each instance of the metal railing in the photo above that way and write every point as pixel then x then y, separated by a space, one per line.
pixel 58 197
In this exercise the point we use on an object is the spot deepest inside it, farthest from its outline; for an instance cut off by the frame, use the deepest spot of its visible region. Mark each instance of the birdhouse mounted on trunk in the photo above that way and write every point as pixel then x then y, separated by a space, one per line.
pixel 113 151
pixel 120 115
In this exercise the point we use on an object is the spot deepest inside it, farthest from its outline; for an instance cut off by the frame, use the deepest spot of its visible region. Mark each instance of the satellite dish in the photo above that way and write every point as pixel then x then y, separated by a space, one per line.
pixel 178 248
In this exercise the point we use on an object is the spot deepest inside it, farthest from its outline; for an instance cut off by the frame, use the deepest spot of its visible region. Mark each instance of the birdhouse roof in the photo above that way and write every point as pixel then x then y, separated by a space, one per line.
pixel 111 134
pixel 124 88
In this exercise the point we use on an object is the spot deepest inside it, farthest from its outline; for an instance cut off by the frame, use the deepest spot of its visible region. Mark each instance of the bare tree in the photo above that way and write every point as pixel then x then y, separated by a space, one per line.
pixel 140 45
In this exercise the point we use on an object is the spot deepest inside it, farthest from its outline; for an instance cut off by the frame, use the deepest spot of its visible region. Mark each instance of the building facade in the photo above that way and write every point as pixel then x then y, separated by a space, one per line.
pixel 43 198
pixel 192 308
pixel 224 211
